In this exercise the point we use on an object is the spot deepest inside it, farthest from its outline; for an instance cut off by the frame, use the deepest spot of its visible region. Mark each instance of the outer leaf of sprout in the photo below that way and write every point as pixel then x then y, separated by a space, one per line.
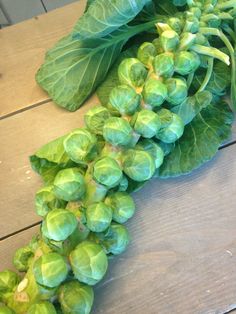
pixel 146 52
pixel 132 72
pixel 75 297
pixel 177 90
pixel 186 41
pixel 89 262
pixel 122 205
pixel 95 192
pixel 81 146
pixel 117 131
pixel 152 148
pixel 123 185
pixel 172 132
pixel 169 40
pixel 211 52
pixel 98 217
pixel 45 200
pixel 59 224
pixel 124 99
pixel 107 171
pixel 43 307
pixel 22 257
pixel 163 64
pixel 69 184
pixel 8 280
pixel 95 119
pixel 157 43
pixel 176 24
pixel 146 123
pixel 50 270
pixel 166 117
pixel 138 165
pixel 186 62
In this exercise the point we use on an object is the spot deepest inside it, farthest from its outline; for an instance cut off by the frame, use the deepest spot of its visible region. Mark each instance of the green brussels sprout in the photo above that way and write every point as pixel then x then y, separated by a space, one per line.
pixel 117 131
pixel 176 24
pixel 124 99
pixel 95 119
pixel 157 43
pixel 153 149
pixel 45 200
pixel 8 281
pixel 191 25
pixel 166 117
pixel 187 40
pixel 59 224
pixel 169 40
pixel 138 165
pixel 146 53
pixel 177 90
pixel 163 64
pixel 172 132
pixel 69 184
pixel 95 192
pixel 98 217
pixel 22 258
pixel 107 171
pixel 154 93
pixel 81 146
pixel 115 240
pixel 75 298
pixel 123 185
pixel 146 123
pixel 43 307
pixel 89 262
pixel 122 205
pixel 186 62
pixel 5 310
pixel 50 270
pixel 132 72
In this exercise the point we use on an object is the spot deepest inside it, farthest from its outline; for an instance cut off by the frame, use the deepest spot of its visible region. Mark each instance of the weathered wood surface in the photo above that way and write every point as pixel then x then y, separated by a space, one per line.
pixel 23 47
pixel 20 136
pixel 182 256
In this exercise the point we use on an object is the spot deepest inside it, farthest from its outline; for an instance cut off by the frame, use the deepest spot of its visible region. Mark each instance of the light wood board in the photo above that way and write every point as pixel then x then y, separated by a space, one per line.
pixel 182 256
pixel 23 47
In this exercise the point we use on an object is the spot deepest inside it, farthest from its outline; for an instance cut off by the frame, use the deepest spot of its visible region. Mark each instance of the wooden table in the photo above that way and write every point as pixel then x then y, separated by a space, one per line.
pixel 182 258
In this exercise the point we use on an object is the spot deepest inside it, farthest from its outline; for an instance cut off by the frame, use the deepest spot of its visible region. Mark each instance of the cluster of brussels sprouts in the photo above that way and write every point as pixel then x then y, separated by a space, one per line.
pixel 120 148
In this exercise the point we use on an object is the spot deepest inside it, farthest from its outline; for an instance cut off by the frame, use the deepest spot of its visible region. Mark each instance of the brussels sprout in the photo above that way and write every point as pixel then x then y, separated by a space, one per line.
pixel 163 65
pixel 138 165
pixel 177 90
pixel 89 262
pixel 124 99
pixel 153 149
pixel 123 185
pixel 191 25
pixel 146 53
pixel 59 224
pixel 122 205
pixel 69 184
pixel 98 217
pixel 107 172
pixel 81 146
pixel 8 281
pixel 22 258
pixel 154 92
pixel 45 200
pixel 166 117
pixel 95 119
pixel 43 307
pixel 186 62
pixel 146 123
pixel 172 132
pixel 115 240
pixel 169 40
pixel 157 43
pixel 95 192
pixel 75 298
pixel 132 72
pixel 176 24
pixel 50 270
pixel 5 310
pixel 117 131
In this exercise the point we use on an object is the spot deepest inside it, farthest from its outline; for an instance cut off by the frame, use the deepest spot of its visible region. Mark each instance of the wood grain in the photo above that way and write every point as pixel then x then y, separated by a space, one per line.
pixel 20 136
pixel 182 256
pixel 23 47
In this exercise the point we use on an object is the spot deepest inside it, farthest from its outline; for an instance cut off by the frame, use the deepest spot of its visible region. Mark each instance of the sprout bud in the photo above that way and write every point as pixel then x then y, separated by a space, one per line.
pixel 177 90
pixel 8 281
pixel 43 307
pixel 89 262
pixel 98 217
pixel 146 53
pixel 117 131
pixel 132 72
pixel 173 131
pixel 95 119
pixel 186 62
pixel 146 123
pixel 163 64
pixel 22 258
pixel 169 40
pixel 153 149
pixel 124 99
pixel 154 93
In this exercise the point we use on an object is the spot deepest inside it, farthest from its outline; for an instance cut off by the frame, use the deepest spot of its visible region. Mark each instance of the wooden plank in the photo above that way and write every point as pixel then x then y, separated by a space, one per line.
pixel 182 256
pixel 52 5
pixel 21 56
pixel 20 136
pixel 21 10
